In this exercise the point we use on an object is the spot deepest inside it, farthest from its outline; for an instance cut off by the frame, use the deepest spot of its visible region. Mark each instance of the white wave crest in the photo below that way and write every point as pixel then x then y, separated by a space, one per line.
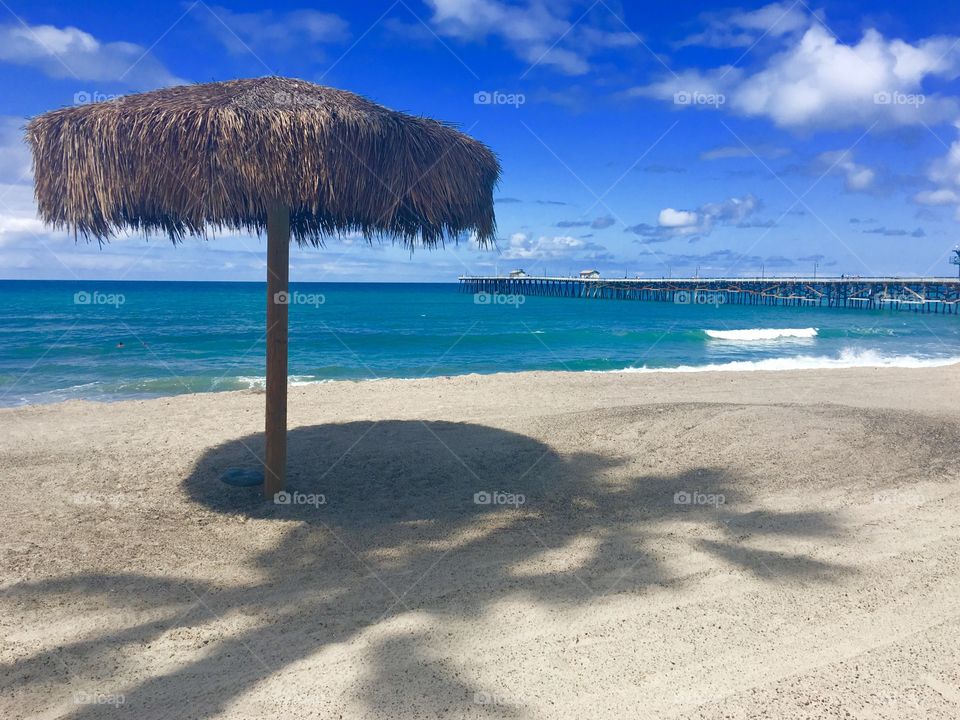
pixel 846 359
pixel 761 334
pixel 260 382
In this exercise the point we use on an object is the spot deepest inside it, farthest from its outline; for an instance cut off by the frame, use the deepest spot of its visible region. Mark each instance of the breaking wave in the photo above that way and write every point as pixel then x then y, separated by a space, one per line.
pixel 846 359
pixel 761 334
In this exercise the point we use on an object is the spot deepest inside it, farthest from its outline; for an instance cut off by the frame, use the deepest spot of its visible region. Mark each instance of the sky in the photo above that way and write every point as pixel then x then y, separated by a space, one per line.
pixel 637 138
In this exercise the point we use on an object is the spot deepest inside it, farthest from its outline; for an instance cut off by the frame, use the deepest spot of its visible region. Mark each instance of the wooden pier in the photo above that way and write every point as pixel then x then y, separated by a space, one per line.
pixel 919 295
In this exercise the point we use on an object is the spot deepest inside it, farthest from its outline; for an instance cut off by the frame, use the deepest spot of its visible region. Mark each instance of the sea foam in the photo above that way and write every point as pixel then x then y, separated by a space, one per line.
pixel 755 334
pixel 846 359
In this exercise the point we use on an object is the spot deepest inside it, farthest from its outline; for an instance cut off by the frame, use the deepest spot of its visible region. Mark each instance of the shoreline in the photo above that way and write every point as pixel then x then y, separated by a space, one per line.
pixel 815 384
pixel 736 368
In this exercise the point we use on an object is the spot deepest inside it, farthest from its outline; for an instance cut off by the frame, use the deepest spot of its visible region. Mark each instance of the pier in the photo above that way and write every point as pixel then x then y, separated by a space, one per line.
pixel 917 294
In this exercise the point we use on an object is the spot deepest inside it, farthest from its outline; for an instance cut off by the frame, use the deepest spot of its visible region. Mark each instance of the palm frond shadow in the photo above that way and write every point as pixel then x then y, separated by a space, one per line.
pixel 400 535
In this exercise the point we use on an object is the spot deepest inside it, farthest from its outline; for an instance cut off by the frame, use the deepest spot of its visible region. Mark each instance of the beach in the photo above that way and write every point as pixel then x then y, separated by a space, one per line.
pixel 524 545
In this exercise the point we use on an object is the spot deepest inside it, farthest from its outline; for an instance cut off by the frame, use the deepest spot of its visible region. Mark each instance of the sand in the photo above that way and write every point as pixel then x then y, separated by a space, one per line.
pixel 814 572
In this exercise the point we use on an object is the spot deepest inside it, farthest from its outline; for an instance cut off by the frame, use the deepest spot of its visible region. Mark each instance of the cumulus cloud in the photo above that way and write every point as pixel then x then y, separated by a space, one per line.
pixel 694 224
pixel 944 174
pixel 816 81
pixel 69 52
pixel 534 31
pixel 523 246
pixel 671 218
pixel 269 30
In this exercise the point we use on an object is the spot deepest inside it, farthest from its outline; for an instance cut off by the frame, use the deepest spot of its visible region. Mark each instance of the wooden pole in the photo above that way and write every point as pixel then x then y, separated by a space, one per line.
pixel 278 303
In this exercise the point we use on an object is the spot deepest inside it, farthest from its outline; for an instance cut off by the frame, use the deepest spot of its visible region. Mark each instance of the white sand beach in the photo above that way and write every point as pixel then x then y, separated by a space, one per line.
pixel 814 572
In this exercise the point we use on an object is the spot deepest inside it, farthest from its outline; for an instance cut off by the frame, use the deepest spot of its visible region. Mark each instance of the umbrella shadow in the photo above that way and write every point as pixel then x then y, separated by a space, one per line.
pixel 393 536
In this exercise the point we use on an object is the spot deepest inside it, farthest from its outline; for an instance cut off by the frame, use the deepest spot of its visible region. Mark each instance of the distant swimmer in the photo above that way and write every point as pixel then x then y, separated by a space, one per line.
pixel 119 344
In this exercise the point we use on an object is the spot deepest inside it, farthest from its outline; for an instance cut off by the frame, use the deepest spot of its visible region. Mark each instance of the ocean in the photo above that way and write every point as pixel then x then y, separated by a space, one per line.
pixel 110 341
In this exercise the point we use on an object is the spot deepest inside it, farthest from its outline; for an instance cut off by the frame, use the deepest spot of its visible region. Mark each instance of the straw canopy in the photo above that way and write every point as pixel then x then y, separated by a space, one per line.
pixel 285 157
pixel 184 159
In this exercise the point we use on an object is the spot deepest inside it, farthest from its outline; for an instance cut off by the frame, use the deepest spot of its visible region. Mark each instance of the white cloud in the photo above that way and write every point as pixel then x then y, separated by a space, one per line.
pixel 856 177
pixel 694 224
pixel 273 31
pixel 522 246
pixel 946 170
pixel 676 218
pixel 943 196
pixel 72 53
pixel 18 215
pixel 742 151
pixel 691 83
pixel 14 153
pixel 745 28
pixel 732 211
pixel 945 174
pixel 18 211
pixel 816 81
pixel 533 31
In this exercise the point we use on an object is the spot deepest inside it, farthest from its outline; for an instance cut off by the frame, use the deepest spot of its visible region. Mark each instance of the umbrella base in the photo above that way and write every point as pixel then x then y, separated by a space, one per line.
pixel 242 476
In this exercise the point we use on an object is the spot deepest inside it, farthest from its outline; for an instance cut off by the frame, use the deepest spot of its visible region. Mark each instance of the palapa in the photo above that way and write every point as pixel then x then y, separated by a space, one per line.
pixel 271 154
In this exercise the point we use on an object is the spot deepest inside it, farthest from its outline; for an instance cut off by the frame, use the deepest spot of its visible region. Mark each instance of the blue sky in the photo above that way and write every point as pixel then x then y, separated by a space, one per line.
pixel 640 138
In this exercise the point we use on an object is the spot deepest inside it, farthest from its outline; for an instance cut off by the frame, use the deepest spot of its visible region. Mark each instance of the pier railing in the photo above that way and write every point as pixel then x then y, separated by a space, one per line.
pixel 919 294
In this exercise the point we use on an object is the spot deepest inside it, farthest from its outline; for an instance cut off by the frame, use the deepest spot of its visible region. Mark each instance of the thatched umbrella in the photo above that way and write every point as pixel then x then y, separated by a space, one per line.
pixel 271 154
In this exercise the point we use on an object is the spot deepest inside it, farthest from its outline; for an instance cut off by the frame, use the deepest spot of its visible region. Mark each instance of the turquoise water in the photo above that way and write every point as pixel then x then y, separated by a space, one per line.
pixel 59 340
